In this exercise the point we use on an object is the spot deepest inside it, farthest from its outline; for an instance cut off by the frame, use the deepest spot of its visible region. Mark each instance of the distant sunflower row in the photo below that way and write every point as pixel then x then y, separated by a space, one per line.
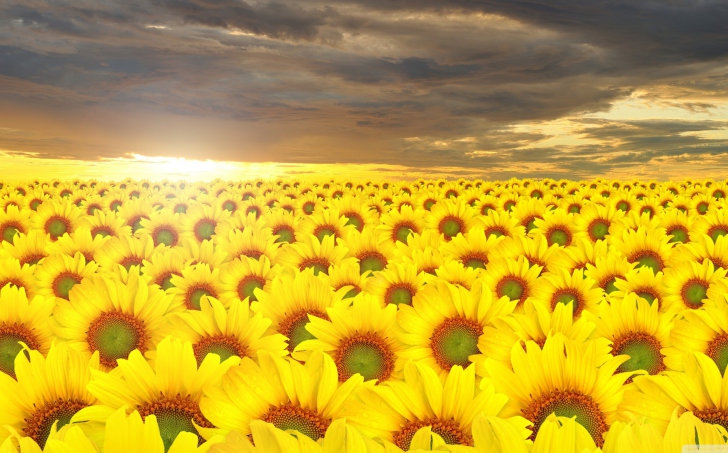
pixel 344 316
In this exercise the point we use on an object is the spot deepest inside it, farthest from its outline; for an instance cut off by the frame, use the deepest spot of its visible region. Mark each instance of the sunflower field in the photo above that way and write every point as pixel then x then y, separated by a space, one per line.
pixel 341 316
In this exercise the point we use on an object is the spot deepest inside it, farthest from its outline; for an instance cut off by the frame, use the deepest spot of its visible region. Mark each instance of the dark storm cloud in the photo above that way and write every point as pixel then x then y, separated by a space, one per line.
pixel 363 81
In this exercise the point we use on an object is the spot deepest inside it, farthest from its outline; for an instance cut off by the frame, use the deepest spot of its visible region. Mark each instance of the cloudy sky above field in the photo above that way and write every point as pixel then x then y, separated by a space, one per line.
pixel 491 88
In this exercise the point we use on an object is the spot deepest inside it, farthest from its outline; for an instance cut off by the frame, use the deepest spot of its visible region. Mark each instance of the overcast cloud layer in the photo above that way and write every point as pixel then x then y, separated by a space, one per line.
pixel 523 88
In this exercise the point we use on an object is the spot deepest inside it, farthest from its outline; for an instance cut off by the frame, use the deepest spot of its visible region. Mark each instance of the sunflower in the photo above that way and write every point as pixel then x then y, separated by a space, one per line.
pixel 232 332
pixel 635 328
pixel 557 226
pixel 677 224
pixel 607 269
pixel 57 274
pixel 13 274
pixel 396 410
pixel 13 199
pixel 134 210
pixel 456 273
pixel 511 278
pixel 473 249
pixel 396 226
pixel 535 323
pixel 125 251
pixel 80 241
pixel 362 338
pixel 194 282
pixel 700 389
pixel 170 388
pixel 241 277
pixel 397 284
pixel 283 225
pixel 105 224
pixel 528 210
pixel 578 255
pixel 239 221
pixel 573 203
pixel 56 218
pixel 496 223
pixel 704 330
pixel 623 201
pixel 162 265
pixel 322 223
pixel 112 317
pixel 687 284
pixel 702 248
pixel 307 203
pixel 348 275
pixel 200 221
pixel 291 396
pixel 643 282
pixel 594 221
pixel 230 201
pixel 451 218
pixel 562 378
pixel 13 221
pixel 443 325
pixel 714 224
pixel 27 249
pixel 192 253
pixel 507 201
pixel 310 253
pixel 418 242
pixel 250 242
pixel 701 204
pixel 632 222
pixel 22 322
pixel 485 204
pixel 42 396
pixel 36 198
pixel 646 247
pixel 162 226
pixel 568 288
pixel 292 299
pixel 372 251
pixel 426 199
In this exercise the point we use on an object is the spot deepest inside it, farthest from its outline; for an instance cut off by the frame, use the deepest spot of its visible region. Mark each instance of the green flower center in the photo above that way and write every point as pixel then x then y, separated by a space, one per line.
pixel 575 209
pixel 356 220
pixel 429 204
pixel 204 229
pixel 718 351
pixel 679 234
pixel 352 292
pixel 305 421
pixel 9 232
pixel 567 297
pixel 294 327
pixel 643 350
pixel 366 354
pixel 454 341
pixel 57 227
pixel 285 234
pixel 474 262
pixel 247 287
pixel 38 426
pixel 194 297
pixel 693 293
pixel 402 232
pixel 598 229
pixel 648 259
pixel 136 225
pixel 308 207
pixel 449 430
pixel 166 282
pixel 63 284
pixel 530 225
pixel 399 295
pixel 495 231
pixel 324 231
pixel 649 297
pixel 717 232
pixel 180 209
pixel 175 415
pixel 225 346
pixel 229 206
pixel 610 286
pixel 450 227
pixel 115 334
pixel 166 237
pixel 560 237
pixel 512 287
pixel 623 206
pixel 372 262
pixel 318 266
pixel 10 337
pixel 34 204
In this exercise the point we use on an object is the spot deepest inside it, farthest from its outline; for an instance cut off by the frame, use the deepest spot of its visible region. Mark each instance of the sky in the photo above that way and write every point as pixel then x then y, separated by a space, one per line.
pixel 397 89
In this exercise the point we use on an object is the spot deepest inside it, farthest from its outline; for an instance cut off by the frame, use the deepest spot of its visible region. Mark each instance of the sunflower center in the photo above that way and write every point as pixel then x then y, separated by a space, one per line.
pixel 352 292
pixel 568 403
pixel 598 229
pixel 643 350
pixel 57 226
pixel 429 204
pixel 399 294
pixel 366 354
pixel 115 334
pixel 308 207
pixel 559 236
pixel 717 231
pixel 713 415
pixel 455 340
pixel 225 346
pixel 319 265
pixel 679 234
pixel 512 287
pixel 693 293
pixel 63 283
pixel 355 219
pixel 175 415
pixel 285 234
pixel 649 259
pixel 9 231
pixel 530 224
pixel 229 206
pixel 248 285
pixel 323 231
pixel 718 351
pixel 165 236
pixel 574 209
pixel 372 261
pixel 402 232
pixel 474 261
pixel 495 231
pixel 609 285
pixel 10 337
pixel 623 206
pixel 567 297
pixel 204 229
pixel 165 282
pixel 194 295
pixel 305 421
pixel 294 327
pixel 451 226
pixel 38 426
pixel 449 430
